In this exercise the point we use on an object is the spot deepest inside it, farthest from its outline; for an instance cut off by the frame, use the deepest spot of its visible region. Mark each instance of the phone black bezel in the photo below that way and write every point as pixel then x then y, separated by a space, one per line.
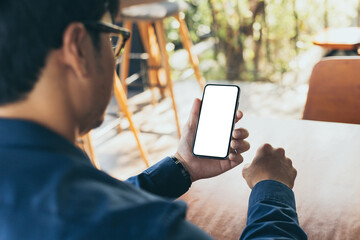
pixel 233 123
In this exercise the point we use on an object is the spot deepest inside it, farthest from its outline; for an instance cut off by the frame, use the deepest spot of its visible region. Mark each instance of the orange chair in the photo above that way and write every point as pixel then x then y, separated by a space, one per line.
pixel 146 16
pixel 334 91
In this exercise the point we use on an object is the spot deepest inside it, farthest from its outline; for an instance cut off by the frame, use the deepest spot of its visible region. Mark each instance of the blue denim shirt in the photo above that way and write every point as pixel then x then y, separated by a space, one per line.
pixel 50 190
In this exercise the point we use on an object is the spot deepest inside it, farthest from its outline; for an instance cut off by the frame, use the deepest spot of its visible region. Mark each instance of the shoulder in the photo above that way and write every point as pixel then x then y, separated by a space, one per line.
pixel 59 193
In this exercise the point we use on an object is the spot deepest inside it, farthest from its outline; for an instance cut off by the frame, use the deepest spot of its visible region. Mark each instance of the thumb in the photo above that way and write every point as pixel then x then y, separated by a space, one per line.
pixel 194 114
pixel 245 169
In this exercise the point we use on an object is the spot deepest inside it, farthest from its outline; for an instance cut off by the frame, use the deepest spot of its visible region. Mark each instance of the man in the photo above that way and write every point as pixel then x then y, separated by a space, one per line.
pixel 56 73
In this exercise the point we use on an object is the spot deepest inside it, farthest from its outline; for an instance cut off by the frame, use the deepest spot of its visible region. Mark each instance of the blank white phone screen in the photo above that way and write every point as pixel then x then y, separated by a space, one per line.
pixel 215 121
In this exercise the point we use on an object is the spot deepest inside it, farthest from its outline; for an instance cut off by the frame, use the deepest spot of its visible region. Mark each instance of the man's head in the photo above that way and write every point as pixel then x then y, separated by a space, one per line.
pixel 48 50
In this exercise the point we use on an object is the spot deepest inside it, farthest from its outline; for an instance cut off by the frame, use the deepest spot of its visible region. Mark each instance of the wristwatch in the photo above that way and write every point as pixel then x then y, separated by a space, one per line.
pixel 183 171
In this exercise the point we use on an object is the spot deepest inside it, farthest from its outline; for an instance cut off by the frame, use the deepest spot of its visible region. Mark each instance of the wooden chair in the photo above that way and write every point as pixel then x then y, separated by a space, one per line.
pixel 334 91
pixel 146 16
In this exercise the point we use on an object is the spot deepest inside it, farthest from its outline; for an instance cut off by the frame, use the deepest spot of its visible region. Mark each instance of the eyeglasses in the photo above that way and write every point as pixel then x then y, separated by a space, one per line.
pixel 118 35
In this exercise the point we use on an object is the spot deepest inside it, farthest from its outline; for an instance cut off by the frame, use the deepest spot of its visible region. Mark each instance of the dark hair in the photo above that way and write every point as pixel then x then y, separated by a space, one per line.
pixel 29 29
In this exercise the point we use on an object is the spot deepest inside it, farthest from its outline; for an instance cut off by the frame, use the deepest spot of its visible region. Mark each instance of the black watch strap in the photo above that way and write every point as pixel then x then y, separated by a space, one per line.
pixel 183 171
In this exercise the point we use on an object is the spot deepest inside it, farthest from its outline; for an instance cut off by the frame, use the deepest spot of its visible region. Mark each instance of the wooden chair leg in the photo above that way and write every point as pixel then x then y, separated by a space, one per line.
pixel 86 145
pixel 186 41
pixel 165 60
pixel 149 41
pixel 122 101
pixel 152 73
pixel 124 66
pixel 156 54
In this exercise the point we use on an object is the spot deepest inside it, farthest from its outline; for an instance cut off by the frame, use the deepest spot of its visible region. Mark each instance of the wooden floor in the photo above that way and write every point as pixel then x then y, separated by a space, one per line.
pixel 118 154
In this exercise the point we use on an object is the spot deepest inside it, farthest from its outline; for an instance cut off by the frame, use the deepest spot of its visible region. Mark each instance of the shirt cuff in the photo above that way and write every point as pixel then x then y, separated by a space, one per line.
pixel 272 190
pixel 168 178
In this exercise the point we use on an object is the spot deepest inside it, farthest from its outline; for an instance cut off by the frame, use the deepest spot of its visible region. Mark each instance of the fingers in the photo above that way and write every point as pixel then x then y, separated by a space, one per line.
pixel 245 168
pixel 239 115
pixel 267 148
pixel 237 143
pixel 196 107
pixel 240 133
pixel 235 159
pixel 270 164
pixel 280 152
pixel 245 173
pixel 264 150
pixel 194 114
pixel 295 172
pixel 240 145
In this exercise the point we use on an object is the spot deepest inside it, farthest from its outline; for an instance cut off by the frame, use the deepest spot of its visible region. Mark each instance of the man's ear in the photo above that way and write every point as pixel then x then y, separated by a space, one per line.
pixel 76 48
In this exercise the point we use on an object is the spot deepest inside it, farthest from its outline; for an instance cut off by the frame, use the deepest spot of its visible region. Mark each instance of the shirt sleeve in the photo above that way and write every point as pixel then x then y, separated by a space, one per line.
pixel 164 179
pixel 272 213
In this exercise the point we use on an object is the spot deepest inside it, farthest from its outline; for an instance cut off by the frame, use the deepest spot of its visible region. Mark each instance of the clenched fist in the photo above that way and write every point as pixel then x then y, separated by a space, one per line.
pixel 270 164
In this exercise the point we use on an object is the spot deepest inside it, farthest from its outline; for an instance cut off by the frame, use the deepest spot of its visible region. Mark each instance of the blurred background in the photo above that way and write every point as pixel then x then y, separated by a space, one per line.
pixel 266 47
pixel 258 40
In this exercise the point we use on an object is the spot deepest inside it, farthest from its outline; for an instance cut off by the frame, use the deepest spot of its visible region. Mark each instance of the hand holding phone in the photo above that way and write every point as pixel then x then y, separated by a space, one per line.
pixel 206 167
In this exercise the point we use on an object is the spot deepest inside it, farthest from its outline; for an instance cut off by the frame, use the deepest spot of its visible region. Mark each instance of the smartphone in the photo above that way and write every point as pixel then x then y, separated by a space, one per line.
pixel 216 121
